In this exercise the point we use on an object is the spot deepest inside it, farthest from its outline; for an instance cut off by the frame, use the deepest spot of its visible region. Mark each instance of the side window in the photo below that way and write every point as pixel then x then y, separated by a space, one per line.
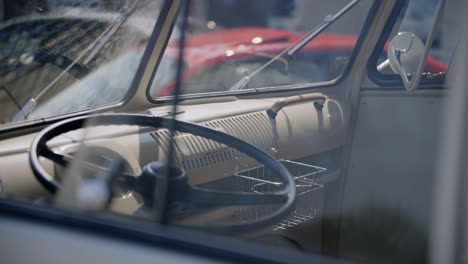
pixel 417 17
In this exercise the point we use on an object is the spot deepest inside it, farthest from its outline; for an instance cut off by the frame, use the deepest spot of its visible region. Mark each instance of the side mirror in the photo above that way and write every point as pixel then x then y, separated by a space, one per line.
pixel 405 54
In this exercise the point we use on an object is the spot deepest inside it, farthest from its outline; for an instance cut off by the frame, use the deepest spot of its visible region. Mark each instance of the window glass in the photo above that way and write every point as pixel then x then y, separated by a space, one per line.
pixel 417 17
pixel 229 42
pixel 279 73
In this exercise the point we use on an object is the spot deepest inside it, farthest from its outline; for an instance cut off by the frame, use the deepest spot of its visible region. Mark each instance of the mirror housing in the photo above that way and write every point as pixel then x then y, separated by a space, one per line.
pixel 405 53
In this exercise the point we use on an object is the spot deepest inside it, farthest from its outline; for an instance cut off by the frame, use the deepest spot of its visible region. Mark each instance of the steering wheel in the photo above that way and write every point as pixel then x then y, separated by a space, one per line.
pixel 192 195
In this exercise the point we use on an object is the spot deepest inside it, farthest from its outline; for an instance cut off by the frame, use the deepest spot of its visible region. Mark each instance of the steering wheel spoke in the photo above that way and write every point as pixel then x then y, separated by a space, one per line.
pixel 60 159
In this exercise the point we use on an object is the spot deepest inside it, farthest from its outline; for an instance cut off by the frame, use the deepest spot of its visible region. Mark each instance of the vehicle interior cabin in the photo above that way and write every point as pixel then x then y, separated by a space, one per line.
pixel 226 131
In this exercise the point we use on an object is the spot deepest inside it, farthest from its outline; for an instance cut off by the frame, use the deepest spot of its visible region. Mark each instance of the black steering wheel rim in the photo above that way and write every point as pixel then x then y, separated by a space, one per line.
pixel 39 148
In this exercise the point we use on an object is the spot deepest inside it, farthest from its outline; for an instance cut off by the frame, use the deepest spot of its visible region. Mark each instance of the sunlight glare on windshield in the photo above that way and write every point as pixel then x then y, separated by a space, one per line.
pixel 62 58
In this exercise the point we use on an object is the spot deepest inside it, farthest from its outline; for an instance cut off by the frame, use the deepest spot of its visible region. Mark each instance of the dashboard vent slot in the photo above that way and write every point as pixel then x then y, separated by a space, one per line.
pixel 194 152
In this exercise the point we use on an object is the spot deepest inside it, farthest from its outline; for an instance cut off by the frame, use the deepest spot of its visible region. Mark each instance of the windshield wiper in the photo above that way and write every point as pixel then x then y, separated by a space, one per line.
pixel 93 49
pixel 298 45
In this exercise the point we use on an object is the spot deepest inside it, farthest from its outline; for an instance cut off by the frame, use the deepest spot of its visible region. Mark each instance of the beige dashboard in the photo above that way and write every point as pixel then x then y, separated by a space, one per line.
pixel 298 130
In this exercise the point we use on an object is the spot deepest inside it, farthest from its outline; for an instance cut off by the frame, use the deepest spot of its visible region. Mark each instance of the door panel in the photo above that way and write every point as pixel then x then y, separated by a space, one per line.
pixel 387 195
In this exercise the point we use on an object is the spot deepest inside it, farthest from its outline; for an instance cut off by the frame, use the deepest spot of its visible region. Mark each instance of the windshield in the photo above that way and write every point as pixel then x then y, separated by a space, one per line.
pixel 272 44
pixel 63 57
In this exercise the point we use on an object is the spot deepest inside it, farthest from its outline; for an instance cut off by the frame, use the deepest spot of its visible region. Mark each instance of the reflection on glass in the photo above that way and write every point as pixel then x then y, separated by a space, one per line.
pixel 58 58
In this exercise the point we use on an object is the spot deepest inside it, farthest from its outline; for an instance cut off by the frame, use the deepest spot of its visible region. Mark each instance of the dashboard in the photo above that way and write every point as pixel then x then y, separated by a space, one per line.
pixel 301 133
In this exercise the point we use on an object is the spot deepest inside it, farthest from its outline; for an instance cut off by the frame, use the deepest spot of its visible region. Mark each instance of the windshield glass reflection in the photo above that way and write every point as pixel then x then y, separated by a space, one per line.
pixel 51 53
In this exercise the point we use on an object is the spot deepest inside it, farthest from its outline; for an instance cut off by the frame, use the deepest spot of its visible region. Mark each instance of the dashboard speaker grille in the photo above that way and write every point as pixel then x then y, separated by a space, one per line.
pixel 194 152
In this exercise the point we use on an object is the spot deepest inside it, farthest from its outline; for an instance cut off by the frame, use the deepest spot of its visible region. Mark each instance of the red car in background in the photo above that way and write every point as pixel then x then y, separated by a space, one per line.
pixel 215 61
